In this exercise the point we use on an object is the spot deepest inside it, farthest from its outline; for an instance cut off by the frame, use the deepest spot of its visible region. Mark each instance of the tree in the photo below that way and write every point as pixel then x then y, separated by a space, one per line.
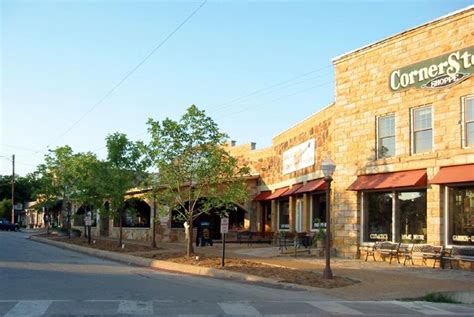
pixel 194 167
pixel 124 169
pixel 56 180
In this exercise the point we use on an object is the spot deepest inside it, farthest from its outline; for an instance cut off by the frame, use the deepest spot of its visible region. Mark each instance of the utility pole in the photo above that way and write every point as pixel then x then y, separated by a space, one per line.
pixel 13 188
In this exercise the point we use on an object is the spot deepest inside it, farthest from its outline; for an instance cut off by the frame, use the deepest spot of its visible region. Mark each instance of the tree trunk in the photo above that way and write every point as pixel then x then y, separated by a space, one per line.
pixel 189 247
pixel 120 230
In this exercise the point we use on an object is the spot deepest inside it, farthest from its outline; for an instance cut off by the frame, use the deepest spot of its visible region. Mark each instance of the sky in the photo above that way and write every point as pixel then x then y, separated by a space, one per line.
pixel 256 67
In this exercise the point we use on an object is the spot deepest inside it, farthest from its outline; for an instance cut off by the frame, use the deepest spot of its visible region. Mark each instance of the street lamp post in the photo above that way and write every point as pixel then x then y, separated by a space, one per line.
pixel 328 167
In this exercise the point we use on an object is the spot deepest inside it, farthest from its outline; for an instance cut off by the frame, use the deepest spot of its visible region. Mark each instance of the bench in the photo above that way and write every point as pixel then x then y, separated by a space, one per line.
pixel 300 242
pixel 457 253
pixel 424 252
pixel 384 249
pixel 244 235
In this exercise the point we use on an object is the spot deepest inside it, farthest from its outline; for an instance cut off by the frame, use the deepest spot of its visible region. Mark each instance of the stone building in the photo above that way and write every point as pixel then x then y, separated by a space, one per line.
pixel 401 132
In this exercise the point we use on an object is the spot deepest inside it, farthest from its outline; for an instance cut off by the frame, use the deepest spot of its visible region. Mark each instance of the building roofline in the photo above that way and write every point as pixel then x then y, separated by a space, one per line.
pixel 386 39
pixel 305 119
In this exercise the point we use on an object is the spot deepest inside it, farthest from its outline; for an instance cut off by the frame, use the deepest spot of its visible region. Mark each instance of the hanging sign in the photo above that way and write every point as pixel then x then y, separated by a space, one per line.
pixel 299 157
pixel 439 72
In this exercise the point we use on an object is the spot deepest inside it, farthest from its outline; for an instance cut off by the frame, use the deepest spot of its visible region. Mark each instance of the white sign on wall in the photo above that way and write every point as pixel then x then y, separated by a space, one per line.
pixel 299 157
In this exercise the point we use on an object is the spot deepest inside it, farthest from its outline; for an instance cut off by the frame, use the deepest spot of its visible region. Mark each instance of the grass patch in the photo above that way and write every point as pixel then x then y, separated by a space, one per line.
pixel 438 298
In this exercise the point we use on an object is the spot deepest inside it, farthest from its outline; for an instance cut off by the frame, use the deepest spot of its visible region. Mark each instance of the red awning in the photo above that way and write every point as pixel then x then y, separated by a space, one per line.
pixel 415 178
pixel 317 184
pixel 292 190
pixel 277 193
pixel 454 174
pixel 262 196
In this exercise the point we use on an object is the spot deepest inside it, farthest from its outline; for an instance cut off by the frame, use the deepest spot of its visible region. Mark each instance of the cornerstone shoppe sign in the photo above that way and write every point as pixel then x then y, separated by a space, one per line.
pixel 439 72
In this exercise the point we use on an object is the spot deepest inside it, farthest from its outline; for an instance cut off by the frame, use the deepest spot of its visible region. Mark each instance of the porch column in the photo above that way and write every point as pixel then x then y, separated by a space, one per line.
pixel 306 212
pixel 259 222
pixel 292 213
pixel 274 216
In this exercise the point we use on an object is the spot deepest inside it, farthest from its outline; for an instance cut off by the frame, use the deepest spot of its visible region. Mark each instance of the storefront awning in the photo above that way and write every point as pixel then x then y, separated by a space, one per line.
pixel 317 184
pixel 403 179
pixel 277 193
pixel 454 174
pixel 262 196
pixel 292 190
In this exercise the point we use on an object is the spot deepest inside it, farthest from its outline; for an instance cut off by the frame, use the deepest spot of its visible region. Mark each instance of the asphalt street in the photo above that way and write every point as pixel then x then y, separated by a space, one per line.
pixel 42 280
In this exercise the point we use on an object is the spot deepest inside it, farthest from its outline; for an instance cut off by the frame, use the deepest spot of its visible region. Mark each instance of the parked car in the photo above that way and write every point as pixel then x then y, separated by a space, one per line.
pixel 6 225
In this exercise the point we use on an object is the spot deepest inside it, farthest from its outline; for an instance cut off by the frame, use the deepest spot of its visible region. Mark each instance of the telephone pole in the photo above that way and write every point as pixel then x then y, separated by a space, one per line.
pixel 13 188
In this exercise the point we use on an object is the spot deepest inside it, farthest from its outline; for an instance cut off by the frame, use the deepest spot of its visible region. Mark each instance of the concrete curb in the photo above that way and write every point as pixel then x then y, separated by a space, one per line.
pixel 173 267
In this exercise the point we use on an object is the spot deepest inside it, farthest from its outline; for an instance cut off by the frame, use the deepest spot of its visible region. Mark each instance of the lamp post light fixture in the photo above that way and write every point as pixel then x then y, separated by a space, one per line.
pixel 328 167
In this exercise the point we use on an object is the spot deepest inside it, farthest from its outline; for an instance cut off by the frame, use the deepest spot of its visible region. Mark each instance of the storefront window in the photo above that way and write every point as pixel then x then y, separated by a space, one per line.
pixel 469 120
pixel 284 214
pixel 461 214
pixel 412 217
pixel 422 130
pixel 318 211
pixel 378 226
pixel 386 136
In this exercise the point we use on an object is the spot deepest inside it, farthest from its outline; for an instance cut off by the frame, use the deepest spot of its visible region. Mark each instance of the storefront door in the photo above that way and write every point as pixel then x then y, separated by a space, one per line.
pixel 299 215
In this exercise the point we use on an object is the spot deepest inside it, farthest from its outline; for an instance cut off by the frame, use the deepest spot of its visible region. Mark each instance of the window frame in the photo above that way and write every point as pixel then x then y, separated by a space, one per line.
pixel 413 132
pixel 378 138
pixel 278 202
pixel 395 213
pixel 464 122
pixel 448 234
pixel 311 213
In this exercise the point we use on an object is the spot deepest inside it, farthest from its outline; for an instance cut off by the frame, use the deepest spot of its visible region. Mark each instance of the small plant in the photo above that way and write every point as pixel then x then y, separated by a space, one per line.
pixel 439 298
pixel 320 235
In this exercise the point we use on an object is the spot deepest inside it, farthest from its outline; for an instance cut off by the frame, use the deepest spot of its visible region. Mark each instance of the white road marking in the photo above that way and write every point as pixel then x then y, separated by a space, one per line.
pixel 335 308
pixel 423 308
pixel 239 309
pixel 30 308
pixel 135 307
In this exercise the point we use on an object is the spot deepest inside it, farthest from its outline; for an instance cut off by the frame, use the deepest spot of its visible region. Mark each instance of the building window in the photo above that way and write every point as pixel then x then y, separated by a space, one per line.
pixel 136 213
pixel 461 215
pixel 412 217
pixel 422 135
pixel 398 216
pixel 318 211
pixel 386 136
pixel 284 214
pixel 469 121
pixel 378 226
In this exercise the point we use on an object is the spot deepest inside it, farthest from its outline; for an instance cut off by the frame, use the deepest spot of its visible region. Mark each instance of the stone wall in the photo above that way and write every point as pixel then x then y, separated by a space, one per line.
pixel 363 93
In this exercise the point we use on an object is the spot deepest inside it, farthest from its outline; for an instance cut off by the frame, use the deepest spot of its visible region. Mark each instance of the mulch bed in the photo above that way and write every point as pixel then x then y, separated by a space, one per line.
pixel 301 277
pixel 100 244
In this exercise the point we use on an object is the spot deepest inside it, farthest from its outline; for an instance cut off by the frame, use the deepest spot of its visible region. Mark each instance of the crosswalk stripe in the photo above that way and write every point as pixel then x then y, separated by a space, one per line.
pixel 135 307
pixel 31 308
pixel 335 308
pixel 423 308
pixel 239 309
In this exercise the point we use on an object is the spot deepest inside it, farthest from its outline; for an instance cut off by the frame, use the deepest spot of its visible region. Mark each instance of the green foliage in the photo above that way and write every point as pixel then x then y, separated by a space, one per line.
pixel 194 166
pixel 320 234
pixel 439 298
pixel 6 208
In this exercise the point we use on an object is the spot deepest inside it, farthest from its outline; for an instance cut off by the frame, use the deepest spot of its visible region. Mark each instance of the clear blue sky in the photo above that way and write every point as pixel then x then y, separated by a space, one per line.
pixel 59 58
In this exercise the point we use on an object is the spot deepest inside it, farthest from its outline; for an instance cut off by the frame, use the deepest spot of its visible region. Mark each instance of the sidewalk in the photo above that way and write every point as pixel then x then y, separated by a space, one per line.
pixel 377 280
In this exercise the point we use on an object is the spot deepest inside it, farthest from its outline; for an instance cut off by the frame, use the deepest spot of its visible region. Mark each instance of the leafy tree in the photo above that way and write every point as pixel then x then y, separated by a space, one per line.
pixel 124 169
pixel 194 167
pixel 56 179
pixel 5 208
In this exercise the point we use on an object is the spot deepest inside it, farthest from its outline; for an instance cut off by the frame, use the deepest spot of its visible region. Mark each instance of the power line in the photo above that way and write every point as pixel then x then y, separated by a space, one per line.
pixel 276 99
pixel 259 91
pixel 130 73
pixel 20 148
pixel 272 91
